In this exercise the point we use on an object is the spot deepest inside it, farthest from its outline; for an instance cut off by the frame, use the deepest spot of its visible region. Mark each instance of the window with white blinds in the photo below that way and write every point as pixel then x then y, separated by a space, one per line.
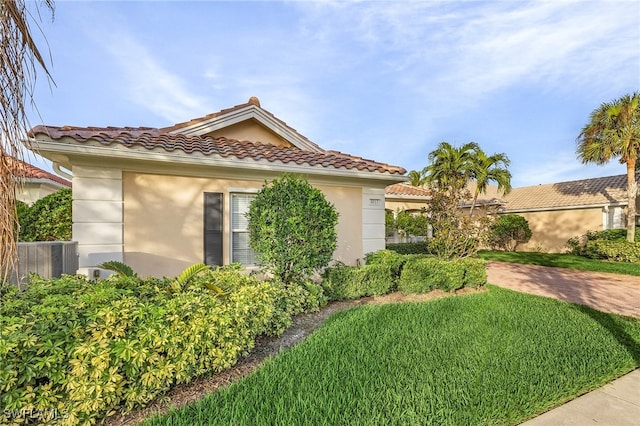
pixel 240 250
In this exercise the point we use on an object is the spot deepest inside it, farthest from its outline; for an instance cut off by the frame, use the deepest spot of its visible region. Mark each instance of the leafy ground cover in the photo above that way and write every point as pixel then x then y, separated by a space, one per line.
pixel 496 357
pixel 562 261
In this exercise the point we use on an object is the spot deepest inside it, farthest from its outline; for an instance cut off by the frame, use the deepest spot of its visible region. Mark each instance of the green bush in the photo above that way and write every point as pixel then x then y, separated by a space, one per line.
pixel 421 275
pixel 578 245
pixel 508 231
pixel 48 219
pixel 410 248
pixel 394 260
pixel 475 272
pixel 291 300
pixel 293 228
pixel 613 250
pixel 89 348
pixel 351 282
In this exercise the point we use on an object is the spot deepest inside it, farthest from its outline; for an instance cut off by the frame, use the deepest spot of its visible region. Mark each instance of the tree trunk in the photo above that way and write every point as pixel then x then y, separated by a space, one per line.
pixel 632 194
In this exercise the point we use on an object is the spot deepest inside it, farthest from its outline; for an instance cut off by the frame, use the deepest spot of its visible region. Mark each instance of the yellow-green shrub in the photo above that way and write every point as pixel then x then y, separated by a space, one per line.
pixel 87 349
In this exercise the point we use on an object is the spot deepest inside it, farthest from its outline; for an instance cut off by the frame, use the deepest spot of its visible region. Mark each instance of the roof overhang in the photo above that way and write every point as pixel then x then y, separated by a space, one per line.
pixel 62 152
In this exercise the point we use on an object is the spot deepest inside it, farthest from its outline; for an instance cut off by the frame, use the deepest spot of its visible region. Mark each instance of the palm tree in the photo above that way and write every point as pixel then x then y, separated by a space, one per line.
pixel 416 178
pixel 451 168
pixel 19 57
pixel 613 131
pixel 487 169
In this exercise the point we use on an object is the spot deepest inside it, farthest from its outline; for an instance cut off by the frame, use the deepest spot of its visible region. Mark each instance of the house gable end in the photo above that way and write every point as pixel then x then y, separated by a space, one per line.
pixel 215 125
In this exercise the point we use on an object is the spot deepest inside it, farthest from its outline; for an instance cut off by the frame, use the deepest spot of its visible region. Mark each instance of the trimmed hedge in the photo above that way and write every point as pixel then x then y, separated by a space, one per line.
pixel 351 282
pixel 421 275
pixel 84 349
pixel 410 248
pixel 613 250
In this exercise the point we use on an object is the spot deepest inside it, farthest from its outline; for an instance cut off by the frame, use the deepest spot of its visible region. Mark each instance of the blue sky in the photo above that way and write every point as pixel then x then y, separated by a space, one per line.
pixel 386 81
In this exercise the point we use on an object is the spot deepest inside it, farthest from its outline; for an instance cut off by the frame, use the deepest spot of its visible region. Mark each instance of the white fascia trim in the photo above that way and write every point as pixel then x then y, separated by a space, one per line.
pixel 243 114
pixel 166 157
pixel 392 197
pixel 580 207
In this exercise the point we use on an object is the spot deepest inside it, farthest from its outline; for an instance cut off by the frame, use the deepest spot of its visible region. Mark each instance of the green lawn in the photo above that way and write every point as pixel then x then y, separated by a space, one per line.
pixel 492 358
pixel 562 261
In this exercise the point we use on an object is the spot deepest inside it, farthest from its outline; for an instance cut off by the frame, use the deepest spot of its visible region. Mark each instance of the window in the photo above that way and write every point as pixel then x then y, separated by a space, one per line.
pixel 240 250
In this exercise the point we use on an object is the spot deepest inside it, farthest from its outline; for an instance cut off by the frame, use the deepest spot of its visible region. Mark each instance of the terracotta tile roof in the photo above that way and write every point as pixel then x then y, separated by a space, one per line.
pixel 404 189
pixel 151 139
pixel 29 171
pixel 252 101
pixel 596 191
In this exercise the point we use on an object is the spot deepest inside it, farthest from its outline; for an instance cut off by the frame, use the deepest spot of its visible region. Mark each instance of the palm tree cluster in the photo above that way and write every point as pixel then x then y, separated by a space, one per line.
pixel 613 131
pixel 452 168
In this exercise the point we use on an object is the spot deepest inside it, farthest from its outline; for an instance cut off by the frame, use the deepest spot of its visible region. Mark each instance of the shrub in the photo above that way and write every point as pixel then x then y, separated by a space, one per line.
pixel 351 282
pixel 613 250
pixel 48 219
pixel 293 228
pixel 421 275
pixel 395 261
pixel 410 223
pixel 578 245
pixel 88 348
pixel 509 231
pixel 475 272
pixel 410 248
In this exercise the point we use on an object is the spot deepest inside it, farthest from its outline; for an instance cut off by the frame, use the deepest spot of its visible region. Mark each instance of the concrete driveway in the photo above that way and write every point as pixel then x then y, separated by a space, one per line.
pixel 619 294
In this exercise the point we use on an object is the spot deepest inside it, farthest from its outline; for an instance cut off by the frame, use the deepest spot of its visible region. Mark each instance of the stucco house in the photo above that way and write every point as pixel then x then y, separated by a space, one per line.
pixel 559 211
pixel 161 199
pixel 555 212
pixel 35 183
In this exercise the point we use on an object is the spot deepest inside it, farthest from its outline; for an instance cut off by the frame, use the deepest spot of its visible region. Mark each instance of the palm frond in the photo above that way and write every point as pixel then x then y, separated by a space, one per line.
pixel 118 267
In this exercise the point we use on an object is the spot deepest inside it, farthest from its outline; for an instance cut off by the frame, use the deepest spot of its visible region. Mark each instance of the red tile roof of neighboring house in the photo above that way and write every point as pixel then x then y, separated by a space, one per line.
pixel 26 170
pixel 404 189
pixel 596 191
pixel 170 139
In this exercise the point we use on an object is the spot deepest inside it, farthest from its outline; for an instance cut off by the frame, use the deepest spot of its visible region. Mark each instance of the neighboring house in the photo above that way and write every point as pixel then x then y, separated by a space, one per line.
pixel 559 211
pixel 404 197
pixel 35 183
pixel 161 199
pixel 555 212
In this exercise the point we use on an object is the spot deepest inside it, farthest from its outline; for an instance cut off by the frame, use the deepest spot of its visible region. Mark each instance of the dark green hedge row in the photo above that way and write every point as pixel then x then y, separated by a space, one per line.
pixel 425 274
pixel 410 248
pixel 82 349
pixel 352 282
pixel 387 271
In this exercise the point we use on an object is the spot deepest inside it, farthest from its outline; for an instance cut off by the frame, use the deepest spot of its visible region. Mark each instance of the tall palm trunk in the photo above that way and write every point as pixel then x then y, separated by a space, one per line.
pixel 632 195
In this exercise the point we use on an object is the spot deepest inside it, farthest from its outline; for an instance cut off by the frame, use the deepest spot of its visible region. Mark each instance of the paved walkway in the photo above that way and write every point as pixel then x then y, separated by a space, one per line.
pixel 615 293
pixel 617 403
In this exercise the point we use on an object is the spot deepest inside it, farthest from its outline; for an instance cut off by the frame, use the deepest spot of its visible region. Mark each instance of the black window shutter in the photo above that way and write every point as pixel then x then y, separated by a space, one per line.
pixel 213 215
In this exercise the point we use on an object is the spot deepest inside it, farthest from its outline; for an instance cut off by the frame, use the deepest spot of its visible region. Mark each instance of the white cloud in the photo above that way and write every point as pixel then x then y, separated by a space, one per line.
pixel 149 84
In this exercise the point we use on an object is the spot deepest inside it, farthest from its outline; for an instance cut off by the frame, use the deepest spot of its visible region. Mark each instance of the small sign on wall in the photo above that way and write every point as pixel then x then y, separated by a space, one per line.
pixel 375 202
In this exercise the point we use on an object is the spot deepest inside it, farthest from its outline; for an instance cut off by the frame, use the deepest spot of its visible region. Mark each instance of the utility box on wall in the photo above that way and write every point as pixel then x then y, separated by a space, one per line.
pixel 49 259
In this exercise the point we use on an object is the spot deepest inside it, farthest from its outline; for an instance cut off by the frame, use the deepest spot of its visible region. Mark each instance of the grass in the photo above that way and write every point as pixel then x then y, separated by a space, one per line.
pixel 563 261
pixel 492 358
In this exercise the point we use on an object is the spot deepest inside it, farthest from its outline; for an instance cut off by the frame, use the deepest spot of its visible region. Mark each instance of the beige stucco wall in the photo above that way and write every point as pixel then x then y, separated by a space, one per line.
pixel 551 229
pixel 250 131
pixel 163 216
